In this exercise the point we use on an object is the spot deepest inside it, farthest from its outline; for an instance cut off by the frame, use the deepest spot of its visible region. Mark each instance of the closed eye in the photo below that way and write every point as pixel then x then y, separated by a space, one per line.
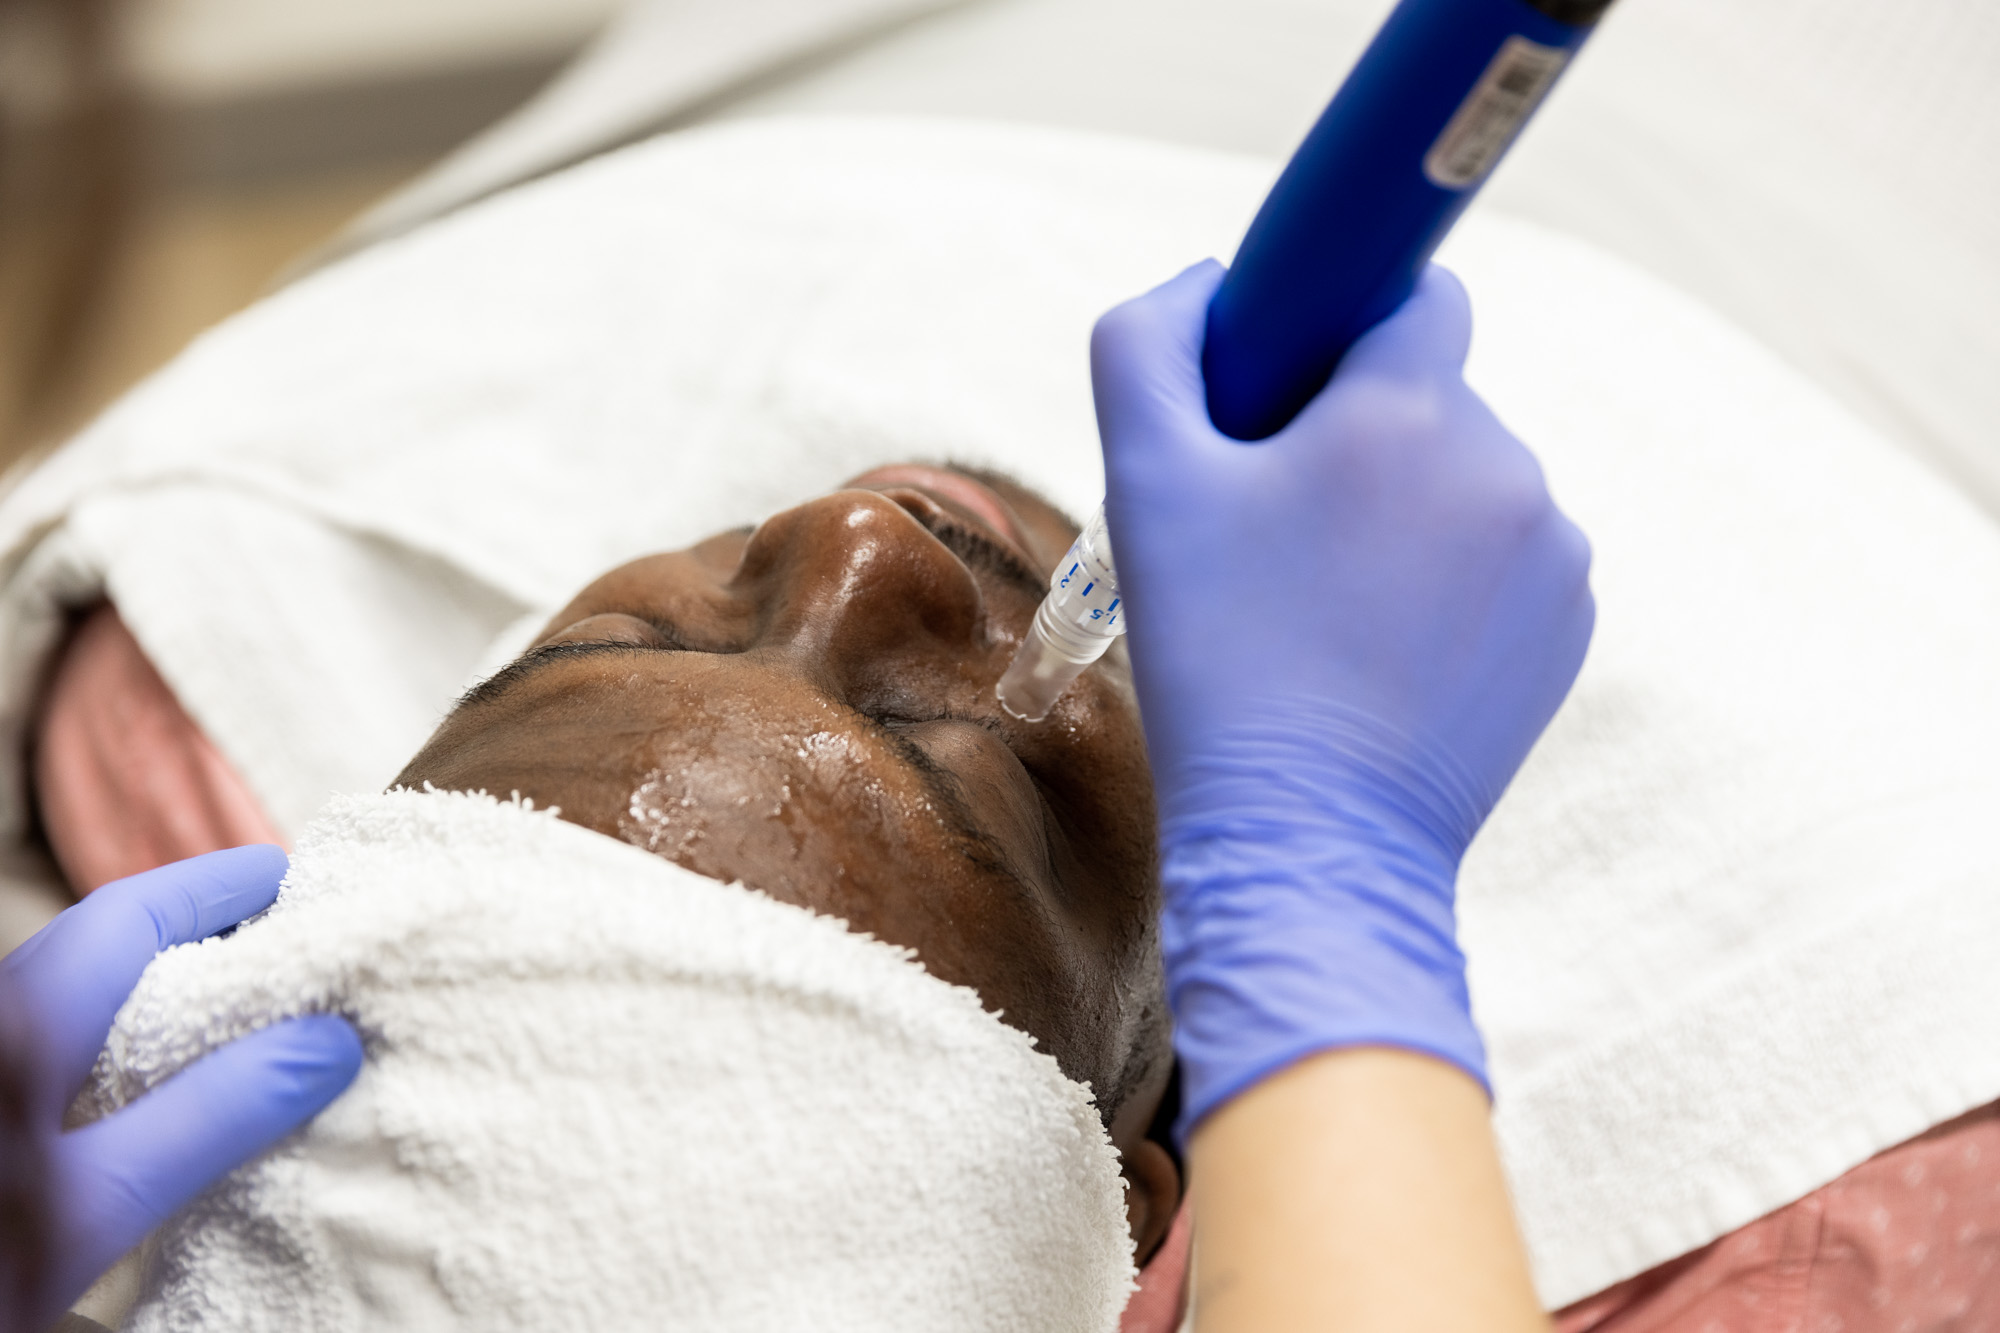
pixel 947 790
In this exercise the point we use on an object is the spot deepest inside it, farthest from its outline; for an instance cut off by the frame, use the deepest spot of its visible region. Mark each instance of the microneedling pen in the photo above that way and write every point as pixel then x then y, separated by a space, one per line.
pixel 1435 101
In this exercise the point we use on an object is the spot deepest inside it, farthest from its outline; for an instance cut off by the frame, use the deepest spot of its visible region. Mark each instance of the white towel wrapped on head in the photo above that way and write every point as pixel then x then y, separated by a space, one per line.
pixel 604 1092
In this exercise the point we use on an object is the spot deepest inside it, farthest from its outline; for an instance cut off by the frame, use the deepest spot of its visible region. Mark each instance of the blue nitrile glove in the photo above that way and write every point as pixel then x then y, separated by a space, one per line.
pixel 1345 639
pixel 111 1182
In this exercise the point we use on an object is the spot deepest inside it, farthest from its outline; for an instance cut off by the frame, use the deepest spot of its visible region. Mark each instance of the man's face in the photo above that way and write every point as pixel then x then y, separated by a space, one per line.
pixel 808 707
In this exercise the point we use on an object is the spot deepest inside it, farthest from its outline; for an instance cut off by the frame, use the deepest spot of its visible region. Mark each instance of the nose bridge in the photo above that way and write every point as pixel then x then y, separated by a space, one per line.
pixel 853 577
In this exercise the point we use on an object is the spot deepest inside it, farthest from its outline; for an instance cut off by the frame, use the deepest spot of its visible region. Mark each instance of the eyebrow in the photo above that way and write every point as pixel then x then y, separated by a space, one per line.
pixel 948 790
pixel 503 682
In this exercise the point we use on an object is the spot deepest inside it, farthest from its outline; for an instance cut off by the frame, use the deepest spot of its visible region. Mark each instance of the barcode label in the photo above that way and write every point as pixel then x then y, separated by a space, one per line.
pixel 1493 113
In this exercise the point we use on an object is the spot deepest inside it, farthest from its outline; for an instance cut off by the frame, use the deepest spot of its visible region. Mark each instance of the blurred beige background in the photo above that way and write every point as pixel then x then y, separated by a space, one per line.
pixel 267 124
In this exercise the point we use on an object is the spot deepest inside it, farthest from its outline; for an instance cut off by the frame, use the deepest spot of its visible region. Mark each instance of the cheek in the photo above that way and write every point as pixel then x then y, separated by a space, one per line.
pixel 709 808
pixel 804 817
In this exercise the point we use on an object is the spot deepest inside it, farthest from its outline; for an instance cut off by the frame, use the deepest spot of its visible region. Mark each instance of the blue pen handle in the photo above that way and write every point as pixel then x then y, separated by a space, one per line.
pixel 1395 158
pixel 1432 106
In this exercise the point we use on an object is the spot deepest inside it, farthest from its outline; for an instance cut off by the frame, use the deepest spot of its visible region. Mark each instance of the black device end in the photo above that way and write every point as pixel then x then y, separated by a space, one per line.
pixel 1577 12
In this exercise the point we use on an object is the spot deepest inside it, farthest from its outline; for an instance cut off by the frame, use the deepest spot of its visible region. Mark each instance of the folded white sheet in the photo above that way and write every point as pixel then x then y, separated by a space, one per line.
pixel 1806 167
pixel 603 1092
pixel 656 61
pixel 1731 933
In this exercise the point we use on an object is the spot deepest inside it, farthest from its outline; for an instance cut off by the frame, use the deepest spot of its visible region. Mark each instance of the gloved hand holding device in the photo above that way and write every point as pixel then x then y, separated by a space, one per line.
pixel 1345 639
pixel 108 1184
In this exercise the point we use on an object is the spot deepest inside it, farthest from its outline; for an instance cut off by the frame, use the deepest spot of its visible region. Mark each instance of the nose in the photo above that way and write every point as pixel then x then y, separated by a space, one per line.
pixel 854 581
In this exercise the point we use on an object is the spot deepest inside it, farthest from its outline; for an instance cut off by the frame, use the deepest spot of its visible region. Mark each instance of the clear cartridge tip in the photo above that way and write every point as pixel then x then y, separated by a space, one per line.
pixel 1072 628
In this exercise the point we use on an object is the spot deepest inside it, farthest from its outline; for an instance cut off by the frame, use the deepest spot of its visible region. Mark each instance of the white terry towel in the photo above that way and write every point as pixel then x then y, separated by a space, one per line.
pixel 603 1092
pixel 1733 931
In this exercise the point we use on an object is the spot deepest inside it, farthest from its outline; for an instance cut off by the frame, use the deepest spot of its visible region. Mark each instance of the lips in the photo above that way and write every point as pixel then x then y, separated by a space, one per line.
pixel 957 490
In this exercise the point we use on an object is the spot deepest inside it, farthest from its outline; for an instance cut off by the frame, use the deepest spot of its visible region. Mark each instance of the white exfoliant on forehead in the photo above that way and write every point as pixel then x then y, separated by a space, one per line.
pixel 602 1091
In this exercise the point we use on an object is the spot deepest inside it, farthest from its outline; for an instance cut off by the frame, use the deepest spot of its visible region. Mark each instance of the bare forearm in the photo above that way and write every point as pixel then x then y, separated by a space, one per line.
pixel 1358 1190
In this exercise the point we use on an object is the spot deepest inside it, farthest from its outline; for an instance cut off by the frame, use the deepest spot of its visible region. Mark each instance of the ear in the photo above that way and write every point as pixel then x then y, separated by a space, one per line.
pixel 1152 1195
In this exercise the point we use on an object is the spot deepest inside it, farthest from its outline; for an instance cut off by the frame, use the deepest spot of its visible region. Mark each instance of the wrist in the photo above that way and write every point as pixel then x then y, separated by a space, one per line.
pixel 1309 862
pixel 1359 1190
pixel 1286 961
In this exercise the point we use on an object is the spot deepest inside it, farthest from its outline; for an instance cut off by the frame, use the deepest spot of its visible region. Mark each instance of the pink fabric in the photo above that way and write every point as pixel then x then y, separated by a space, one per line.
pixel 1907 1242
pixel 1161 1301
pixel 125 779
